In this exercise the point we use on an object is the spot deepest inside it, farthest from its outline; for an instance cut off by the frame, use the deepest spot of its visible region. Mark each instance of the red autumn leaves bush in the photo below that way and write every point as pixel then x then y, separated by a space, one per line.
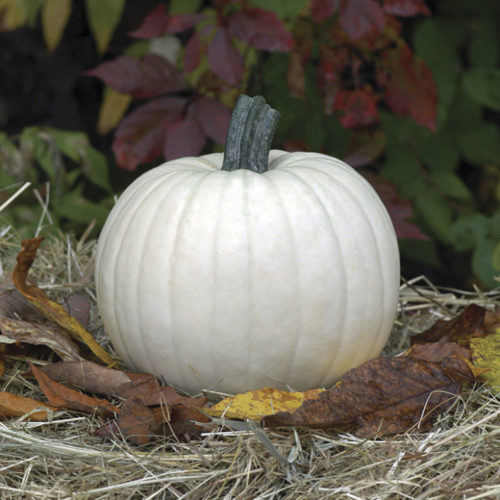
pixel 362 64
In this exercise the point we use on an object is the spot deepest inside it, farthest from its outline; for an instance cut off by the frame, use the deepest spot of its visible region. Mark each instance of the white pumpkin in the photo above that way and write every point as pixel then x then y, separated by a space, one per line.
pixel 235 280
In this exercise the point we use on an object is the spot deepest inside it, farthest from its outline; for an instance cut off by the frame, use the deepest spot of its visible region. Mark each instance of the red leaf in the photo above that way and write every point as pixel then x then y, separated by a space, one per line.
pixel 141 135
pixel 406 8
pixel 154 24
pixel 359 107
pixel 261 29
pixel 184 137
pixel 148 76
pixel 158 22
pixel 213 118
pixel 225 60
pixel 410 88
pixel 399 209
pixel 361 17
pixel 323 9
pixel 192 53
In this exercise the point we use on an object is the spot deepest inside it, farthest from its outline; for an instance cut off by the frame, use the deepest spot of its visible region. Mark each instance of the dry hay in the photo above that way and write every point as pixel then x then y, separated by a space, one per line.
pixel 458 459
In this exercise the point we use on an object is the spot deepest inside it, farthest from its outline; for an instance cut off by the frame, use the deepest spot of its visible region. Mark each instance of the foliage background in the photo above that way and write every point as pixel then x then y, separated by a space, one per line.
pixel 93 93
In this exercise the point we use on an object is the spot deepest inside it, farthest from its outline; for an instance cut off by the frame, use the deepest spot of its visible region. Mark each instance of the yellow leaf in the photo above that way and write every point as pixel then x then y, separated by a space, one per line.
pixel 103 16
pixel 12 14
pixel 51 310
pixel 55 15
pixel 486 357
pixel 113 108
pixel 255 405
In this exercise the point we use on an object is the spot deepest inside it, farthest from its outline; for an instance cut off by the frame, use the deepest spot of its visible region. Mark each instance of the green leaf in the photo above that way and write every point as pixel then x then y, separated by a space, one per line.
pixel 400 166
pixel 75 207
pixel 438 151
pixel 467 231
pixel 482 262
pixel 496 257
pixel 104 16
pixel 71 144
pixel 483 85
pixel 95 168
pixel 55 15
pixel 285 9
pixel 32 9
pixel 484 46
pixel 184 6
pixel 451 185
pixel 465 113
pixel 436 40
pixel 422 251
pixel 434 213
pixel 481 145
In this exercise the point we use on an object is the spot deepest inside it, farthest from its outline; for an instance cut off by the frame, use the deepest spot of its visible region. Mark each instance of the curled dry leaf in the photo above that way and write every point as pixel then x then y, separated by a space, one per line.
pixel 388 395
pixel 51 310
pixel 48 334
pixel 255 405
pixel 12 405
pixel 147 405
pixel 63 397
pixel 473 322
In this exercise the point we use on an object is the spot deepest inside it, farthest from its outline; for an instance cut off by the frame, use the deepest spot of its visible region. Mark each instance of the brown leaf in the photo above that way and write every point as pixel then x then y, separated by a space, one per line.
pixel 387 395
pixel 137 422
pixel 12 405
pixel 78 306
pixel 51 310
pixel 61 396
pixel 48 334
pixel 183 420
pixel 14 305
pixel 474 321
pixel 98 379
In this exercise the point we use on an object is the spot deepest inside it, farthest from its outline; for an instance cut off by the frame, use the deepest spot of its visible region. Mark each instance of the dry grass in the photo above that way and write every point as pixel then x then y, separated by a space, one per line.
pixel 458 459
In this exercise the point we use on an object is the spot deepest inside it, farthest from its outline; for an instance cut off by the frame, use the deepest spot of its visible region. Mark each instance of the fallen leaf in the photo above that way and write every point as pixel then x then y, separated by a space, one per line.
pixel 63 397
pixel 388 395
pixel 13 304
pixel 184 421
pixel 98 379
pixel 486 357
pixel 12 405
pixel 474 321
pixel 48 334
pixel 51 310
pixel 137 422
pixel 78 306
pixel 255 405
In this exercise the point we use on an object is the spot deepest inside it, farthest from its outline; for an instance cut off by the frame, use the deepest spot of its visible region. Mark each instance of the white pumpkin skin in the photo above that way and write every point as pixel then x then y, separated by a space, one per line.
pixel 235 280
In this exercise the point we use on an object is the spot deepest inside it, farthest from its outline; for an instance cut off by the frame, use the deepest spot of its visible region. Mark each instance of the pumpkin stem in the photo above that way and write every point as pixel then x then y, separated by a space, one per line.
pixel 250 134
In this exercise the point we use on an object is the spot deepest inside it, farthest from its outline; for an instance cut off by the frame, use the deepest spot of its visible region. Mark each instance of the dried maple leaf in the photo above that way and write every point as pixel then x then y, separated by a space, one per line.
pixel 12 405
pixel 48 334
pixel 388 395
pixel 51 310
pixel 473 322
pixel 61 396
pixel 257 404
